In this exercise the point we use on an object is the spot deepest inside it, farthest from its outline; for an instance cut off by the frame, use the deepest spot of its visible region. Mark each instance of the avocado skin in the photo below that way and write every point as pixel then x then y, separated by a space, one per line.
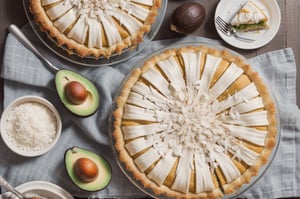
pixel 105 171
pixel 91 104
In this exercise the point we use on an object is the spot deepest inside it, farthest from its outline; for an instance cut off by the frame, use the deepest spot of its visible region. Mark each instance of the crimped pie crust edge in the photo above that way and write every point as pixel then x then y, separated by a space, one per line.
pixel 245 177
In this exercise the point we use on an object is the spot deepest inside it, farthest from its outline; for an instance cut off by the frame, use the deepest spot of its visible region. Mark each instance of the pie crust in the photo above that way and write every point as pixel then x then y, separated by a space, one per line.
pixel 194 122
pixel 95 28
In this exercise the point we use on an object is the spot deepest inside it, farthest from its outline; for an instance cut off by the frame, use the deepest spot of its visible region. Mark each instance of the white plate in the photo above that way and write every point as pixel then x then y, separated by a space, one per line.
pixel 226 9
pixel 43 188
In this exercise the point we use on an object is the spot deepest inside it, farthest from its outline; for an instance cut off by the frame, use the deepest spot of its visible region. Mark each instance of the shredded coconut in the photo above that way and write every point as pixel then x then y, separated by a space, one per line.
pixel 31 126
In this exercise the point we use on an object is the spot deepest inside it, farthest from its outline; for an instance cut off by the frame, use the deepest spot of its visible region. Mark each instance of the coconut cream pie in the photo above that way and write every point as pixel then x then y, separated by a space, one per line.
pixel 194 122
pixel 95 27
pixel 250 17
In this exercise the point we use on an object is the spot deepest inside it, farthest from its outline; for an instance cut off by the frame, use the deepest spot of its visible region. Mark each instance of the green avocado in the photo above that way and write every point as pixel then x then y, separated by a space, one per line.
pixel 90 104
pixel 104 169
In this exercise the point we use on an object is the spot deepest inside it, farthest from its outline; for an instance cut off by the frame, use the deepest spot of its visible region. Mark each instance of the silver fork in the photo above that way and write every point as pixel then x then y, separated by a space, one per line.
pixel 227 29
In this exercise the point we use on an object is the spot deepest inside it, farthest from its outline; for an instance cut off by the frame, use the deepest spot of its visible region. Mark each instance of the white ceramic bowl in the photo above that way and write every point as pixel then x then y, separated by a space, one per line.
pixel 5 134
pixel 40 188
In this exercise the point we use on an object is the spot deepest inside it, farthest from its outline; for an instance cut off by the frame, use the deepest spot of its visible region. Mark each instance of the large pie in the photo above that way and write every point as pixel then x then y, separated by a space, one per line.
pixel 194 122
pixel 95 27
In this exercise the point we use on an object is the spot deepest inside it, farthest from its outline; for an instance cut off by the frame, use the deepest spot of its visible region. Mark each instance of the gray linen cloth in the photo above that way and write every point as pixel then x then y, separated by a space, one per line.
pixel 24 74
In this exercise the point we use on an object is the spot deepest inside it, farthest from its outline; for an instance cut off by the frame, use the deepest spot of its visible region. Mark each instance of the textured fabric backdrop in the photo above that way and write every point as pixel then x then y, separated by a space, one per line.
pixel 24 74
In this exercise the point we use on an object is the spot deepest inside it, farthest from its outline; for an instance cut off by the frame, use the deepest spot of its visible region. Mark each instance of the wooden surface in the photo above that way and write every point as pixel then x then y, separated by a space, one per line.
pixel 11 11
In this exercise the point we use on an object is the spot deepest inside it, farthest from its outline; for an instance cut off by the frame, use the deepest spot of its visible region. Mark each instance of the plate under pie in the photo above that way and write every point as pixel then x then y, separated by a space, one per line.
pixel 194 121
pixel 97 32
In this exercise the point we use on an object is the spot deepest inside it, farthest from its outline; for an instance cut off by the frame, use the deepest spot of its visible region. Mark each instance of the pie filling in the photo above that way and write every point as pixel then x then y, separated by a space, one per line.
pixel 247 27
pixel 194 122
pixel 95 27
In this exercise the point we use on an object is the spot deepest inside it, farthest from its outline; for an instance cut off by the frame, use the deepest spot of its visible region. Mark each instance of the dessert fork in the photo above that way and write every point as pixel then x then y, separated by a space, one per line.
pixel 228 30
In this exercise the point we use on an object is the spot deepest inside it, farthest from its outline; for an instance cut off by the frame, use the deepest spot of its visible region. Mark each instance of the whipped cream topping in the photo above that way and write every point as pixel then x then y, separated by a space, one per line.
pixel 248 18
pixel 97 16
pixel 188 122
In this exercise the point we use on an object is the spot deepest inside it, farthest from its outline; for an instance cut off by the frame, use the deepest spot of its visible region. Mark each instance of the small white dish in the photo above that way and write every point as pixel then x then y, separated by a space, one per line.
pixel 226 9
pixel 16 123
pixel 40 188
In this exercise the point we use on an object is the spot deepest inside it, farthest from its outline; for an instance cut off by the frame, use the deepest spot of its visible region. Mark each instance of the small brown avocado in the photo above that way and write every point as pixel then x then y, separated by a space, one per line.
pixel 187 17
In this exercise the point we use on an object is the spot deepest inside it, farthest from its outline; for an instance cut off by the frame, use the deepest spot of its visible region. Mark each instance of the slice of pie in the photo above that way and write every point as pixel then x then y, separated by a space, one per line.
pixel 95 27
pixel 250 17
pixel 194 122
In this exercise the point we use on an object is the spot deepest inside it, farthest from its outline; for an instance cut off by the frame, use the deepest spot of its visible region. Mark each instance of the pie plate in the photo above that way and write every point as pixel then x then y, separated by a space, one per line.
pixel 226 9
pixel 64 53
pixel 149 191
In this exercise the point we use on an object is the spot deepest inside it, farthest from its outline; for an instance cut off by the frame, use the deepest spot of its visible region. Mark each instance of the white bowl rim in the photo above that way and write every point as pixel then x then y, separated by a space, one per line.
pixel 20 100
pixel 45 186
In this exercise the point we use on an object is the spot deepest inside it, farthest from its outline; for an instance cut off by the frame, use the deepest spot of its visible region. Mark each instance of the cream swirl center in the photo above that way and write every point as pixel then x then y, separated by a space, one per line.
pixel 189 120
pixel 96 8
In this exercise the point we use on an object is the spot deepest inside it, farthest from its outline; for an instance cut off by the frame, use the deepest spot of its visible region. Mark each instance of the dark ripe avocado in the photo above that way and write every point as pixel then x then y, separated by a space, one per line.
pixel 78 94
pixel 87 170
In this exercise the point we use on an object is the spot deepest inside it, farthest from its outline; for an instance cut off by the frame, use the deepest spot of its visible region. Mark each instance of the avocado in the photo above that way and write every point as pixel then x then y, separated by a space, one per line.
pixel 91 182
pixel 86 107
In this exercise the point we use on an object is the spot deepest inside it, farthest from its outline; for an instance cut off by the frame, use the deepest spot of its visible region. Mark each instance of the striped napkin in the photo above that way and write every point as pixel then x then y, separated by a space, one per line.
pixel 24 74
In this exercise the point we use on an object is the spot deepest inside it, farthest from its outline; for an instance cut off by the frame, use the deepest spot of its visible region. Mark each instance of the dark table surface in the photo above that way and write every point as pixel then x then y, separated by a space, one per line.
pixel 12 11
